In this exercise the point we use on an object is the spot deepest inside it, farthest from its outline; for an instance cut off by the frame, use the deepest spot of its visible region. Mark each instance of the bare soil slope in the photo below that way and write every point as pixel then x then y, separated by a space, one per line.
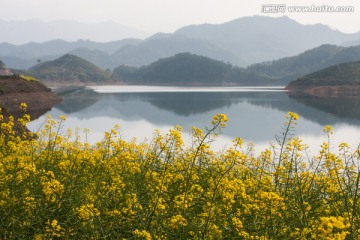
pixel 15 90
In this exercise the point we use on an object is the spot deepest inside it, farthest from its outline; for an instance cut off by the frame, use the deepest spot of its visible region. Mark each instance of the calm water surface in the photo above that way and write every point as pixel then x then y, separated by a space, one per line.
pixel 255 114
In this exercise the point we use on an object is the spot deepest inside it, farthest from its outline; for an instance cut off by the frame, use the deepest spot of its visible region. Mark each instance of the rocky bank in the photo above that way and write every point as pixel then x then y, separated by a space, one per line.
pixel 15 89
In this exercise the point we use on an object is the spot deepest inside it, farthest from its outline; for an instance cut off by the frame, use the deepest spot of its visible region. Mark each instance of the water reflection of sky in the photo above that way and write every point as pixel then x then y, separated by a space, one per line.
pixel 255 116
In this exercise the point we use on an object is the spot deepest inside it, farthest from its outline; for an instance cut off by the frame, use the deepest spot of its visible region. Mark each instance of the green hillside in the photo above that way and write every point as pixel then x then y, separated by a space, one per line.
pixel 194 69
pixel 290 68
pixel 346 74
pixel 188 69
pixel 183 68
pixel 70 69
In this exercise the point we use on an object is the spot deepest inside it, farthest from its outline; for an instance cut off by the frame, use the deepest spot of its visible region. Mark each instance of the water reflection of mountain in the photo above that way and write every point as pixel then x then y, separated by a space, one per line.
pixel 77 100
pixel 189 103
pixel 320 110
pixel 254 116
pixel 346 108
pixel 136 106
pixel 183 104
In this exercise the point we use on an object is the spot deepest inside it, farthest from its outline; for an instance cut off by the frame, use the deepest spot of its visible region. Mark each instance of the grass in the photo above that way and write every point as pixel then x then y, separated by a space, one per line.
pixel 28 78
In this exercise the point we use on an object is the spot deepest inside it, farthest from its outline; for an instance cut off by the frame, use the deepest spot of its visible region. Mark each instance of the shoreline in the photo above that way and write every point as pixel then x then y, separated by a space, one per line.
pixel 324 91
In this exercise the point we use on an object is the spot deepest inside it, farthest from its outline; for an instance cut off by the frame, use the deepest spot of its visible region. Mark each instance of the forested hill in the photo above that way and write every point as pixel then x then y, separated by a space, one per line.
pixel 188 69
pixel 346 74
pixel 290 68
pixel 184 68
pixel 70 69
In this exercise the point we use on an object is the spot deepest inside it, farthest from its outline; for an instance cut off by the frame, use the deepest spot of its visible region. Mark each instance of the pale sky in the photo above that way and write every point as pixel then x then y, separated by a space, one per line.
pixel 153 16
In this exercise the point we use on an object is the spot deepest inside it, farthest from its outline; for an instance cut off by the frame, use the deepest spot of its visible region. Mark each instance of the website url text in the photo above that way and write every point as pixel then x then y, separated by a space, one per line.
pixel 282 8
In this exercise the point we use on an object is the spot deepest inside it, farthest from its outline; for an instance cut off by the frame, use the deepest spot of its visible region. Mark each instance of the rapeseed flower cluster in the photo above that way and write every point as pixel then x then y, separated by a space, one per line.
pixel 54 185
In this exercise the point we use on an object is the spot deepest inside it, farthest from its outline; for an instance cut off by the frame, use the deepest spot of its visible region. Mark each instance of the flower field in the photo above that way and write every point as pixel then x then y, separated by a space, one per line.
pixel 54 185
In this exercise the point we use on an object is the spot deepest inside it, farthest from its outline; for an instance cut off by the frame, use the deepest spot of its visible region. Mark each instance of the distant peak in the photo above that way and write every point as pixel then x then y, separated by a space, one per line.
pixel 68 56
pixel 261 17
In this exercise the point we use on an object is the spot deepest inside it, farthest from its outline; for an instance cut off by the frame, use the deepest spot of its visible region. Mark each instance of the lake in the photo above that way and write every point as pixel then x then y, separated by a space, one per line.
pixel 256 114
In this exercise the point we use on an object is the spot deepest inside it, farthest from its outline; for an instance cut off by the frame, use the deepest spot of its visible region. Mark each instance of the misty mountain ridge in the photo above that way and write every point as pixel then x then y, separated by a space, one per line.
pixel 168 45
pixel 35 30
pixel 261 38
pixel 191 69
pixel 59 46
pixel 351 43
pixel 241 42
pixel 27 55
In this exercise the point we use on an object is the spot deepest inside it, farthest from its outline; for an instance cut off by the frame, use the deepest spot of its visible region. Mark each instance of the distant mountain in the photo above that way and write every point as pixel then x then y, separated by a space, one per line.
pixel 58 46
pixel 20 63
pixel 27 55
pixel 168 45
pixel 70 69
pixel 351 43
pixel 289 68
pixel 99 58
pixel 20 32
pixel 188 69
pixel 241 42
pixel 259 38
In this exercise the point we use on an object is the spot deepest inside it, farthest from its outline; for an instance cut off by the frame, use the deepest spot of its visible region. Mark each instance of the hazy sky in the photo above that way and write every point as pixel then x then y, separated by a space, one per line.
pixel 167 15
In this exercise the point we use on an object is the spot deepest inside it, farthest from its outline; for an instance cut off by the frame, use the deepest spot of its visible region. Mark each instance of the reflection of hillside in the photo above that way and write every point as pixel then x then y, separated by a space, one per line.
pixel 348 109
pixel 321 111
pixel 183 104
pixel 188 103
pixel 254 116
pixel 77 100
pixel 165 108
